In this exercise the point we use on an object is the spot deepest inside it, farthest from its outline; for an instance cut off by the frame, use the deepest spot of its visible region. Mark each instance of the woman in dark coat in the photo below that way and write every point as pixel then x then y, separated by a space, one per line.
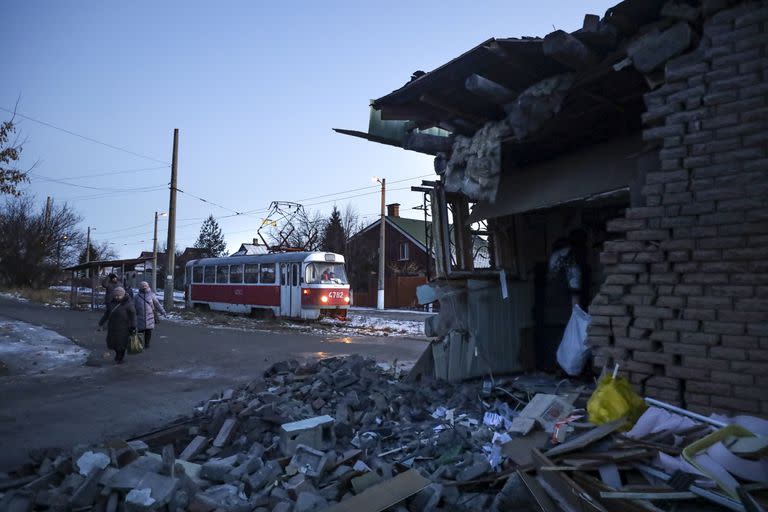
pixel 120 318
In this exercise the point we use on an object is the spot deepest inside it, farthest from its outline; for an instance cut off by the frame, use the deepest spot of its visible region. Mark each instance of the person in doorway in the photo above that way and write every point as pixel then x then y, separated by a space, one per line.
pixel 147 308
pixel 566 266
pixel 110 288
pixel 120 318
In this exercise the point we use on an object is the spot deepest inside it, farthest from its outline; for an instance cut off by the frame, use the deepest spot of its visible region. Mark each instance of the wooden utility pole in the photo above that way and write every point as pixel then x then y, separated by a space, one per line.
pixel 88 251
pixel 170 254
pixel 154 257
pixel 382 250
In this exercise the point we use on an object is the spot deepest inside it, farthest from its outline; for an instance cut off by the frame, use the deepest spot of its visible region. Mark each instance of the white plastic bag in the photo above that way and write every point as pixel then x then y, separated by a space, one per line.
pixel 573 350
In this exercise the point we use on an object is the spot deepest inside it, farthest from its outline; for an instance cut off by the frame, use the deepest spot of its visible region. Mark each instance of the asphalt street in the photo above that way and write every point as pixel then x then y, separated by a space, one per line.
pixel 186 364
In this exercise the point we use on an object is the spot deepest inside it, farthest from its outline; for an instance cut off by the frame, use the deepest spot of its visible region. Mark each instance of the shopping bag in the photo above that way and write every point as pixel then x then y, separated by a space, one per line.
pixel 614 398
pixel 136 345
pixel 573 351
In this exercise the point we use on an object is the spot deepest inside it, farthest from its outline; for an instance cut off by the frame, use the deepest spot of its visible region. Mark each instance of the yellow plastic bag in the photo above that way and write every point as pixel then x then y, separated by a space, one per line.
pixel 614 398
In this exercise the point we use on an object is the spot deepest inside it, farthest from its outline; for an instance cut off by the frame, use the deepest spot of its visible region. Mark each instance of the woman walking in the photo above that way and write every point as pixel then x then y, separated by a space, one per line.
pixel 147 307
pixel 120 318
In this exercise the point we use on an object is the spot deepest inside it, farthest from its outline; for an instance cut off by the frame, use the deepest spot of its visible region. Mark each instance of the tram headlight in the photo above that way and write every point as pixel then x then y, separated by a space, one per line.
pixel 324 299
pixel 346 299
pixel 305 291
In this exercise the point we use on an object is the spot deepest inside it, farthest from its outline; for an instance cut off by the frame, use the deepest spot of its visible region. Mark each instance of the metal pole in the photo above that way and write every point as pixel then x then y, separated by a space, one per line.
pixel 382 251
pixel 88 252
pixel 154 257
pixel 170 255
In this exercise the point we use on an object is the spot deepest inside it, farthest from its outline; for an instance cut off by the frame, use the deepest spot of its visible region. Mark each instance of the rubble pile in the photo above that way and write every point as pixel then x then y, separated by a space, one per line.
pixel 346 434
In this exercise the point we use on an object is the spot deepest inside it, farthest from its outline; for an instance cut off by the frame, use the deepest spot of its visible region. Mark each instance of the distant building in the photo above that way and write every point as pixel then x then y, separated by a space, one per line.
pixel 252 249
pixel 406 263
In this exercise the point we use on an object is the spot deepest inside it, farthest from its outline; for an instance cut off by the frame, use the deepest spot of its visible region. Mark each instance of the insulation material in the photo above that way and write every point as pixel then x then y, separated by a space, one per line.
pixel 474 167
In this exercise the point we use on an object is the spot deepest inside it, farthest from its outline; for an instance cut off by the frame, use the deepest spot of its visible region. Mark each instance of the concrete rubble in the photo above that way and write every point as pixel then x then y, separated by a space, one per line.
pixel 378 442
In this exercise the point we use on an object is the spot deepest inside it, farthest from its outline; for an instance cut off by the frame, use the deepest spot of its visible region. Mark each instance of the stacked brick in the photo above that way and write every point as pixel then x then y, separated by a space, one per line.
pixel 684 307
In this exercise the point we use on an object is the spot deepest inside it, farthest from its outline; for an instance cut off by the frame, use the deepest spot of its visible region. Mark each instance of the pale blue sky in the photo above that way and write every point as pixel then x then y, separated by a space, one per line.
pixel 254 87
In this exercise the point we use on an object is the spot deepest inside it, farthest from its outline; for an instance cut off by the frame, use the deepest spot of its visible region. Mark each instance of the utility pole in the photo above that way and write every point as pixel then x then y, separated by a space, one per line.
pixel 170 255
pixel 154 252
pixel 382 251
pixel 88 252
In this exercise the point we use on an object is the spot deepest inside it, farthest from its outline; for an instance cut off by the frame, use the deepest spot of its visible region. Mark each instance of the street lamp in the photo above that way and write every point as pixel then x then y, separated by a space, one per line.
pixel 380 294
pixel 88 251
pixel 154 251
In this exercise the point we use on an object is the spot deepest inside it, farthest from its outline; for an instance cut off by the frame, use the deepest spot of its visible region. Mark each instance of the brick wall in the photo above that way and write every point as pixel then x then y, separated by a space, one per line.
pixel 684 307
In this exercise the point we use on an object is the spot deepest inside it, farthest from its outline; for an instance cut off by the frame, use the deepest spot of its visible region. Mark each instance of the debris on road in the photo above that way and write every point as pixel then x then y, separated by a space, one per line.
pixel 345 434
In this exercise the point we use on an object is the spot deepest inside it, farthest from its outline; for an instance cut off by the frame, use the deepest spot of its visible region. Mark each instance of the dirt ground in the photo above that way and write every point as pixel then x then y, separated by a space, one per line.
pixel 186 364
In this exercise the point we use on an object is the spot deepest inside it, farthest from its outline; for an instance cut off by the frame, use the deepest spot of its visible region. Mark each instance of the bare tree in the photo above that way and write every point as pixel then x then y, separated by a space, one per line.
pixel 351 221
pixel 10 152
pixel 35 244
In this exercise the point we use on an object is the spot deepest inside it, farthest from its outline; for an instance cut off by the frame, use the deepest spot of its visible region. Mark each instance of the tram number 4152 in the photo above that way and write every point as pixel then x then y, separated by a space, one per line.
pixel 335 295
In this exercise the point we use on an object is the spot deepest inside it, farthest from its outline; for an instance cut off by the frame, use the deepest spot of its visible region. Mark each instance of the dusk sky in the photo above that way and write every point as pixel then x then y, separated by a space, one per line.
pixel 254 88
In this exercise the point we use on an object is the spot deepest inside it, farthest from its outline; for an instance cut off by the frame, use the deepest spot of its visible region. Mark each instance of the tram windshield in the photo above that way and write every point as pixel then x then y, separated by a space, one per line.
pixel 325 273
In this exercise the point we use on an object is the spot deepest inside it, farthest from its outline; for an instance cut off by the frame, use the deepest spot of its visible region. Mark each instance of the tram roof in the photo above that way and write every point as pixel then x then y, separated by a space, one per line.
pixel 278 257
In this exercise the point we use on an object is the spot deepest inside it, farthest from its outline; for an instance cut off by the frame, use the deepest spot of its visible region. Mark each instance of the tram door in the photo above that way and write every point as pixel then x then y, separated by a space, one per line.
pixel 290 290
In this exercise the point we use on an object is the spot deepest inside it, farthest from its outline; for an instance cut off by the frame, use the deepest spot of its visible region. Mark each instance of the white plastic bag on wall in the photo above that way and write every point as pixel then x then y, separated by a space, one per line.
pixel 573 351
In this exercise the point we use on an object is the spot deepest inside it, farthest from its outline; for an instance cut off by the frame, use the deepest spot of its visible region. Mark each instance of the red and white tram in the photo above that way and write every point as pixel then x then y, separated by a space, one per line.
pixel 292 284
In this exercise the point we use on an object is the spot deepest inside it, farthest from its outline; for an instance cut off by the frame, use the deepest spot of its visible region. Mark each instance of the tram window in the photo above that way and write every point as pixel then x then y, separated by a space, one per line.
pixel 210 274
pixel 222 274
pixel 294 275
pixel 197 274
pixel 267 274
pixel 325 273
pixel 283 274
pixel 235 274
pixel 252 274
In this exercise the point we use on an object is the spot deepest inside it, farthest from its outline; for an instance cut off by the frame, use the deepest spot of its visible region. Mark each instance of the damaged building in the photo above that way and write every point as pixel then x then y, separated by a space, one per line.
pixel 633 149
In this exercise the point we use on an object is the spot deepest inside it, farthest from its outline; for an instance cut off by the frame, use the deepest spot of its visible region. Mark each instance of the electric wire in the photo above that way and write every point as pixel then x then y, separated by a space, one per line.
pixel 105 173
pixel 84 137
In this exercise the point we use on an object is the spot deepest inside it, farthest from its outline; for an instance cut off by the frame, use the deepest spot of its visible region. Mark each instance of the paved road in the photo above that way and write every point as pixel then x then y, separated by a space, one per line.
pixel 185 365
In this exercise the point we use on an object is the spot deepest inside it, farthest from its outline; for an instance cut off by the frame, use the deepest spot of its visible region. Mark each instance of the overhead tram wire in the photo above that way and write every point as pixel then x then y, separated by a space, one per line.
pixel 106 173
pixel 264 210
pixel 104 189
pixel 84 137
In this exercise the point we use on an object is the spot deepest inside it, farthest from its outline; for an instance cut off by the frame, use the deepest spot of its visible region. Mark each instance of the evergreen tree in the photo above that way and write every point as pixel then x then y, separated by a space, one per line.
pixel 94 254
pixel 211 238
pixel 333 234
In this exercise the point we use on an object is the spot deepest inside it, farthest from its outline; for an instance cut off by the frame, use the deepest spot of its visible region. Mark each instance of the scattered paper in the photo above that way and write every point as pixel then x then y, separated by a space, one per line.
pixel 492 419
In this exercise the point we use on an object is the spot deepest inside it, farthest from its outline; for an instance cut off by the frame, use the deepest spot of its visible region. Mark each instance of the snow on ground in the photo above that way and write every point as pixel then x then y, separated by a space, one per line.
pixel 29 349
pixel 370 324
pixel 16 296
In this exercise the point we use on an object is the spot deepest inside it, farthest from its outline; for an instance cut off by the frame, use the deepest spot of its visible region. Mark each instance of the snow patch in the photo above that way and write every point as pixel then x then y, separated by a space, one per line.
pixel 29 349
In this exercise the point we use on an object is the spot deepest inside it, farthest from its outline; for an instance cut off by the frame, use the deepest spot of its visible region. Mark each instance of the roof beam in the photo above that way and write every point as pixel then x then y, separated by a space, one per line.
pixel 568 51
pixel 439 104
pixel 488 89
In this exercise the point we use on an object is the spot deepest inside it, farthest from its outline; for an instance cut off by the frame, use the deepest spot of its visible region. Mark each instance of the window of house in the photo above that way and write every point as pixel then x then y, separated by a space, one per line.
pixel 235 274
pixel 222 274
pixel 210 274
pixel 197 274
pixel 268 274
pixel 252 274
pixel 404 251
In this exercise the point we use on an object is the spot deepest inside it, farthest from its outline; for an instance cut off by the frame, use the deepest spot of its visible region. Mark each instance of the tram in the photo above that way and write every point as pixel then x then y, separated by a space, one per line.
pixel 305 285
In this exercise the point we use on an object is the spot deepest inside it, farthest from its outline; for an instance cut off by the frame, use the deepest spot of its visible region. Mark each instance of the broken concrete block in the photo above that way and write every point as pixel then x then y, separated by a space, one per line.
pixel 139 500
pixel 309 461
pixel 298 484
pixel 265 475
pixel 17 501
pixel 226 432
pixel 89 460
pixel 225 497
pixel 140 447
pixel 364 481
pixel 428 498
pixel 89 490
pixel 473 471
pixel 218 470
pixel 128 477
pixel 314 432
pixel 283 506
pixel 162 487
pixel 309 502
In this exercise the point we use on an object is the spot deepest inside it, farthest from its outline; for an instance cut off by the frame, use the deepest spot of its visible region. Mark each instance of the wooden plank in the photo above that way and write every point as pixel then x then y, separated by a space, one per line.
pixel 225 433
pixel 567 489
pixel 587 438
pixel 630 495
pixel 384 495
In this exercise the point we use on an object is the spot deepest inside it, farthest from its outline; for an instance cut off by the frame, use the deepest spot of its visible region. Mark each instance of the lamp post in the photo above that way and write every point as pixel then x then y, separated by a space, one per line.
pixel 382 230
pixel 154 251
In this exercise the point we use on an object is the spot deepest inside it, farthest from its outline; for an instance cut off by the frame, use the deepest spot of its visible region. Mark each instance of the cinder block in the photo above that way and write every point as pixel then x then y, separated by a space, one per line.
pixel 314 432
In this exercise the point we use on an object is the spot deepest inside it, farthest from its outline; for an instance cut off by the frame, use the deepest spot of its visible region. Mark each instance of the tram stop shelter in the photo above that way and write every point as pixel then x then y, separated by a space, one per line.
pixel 95 269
